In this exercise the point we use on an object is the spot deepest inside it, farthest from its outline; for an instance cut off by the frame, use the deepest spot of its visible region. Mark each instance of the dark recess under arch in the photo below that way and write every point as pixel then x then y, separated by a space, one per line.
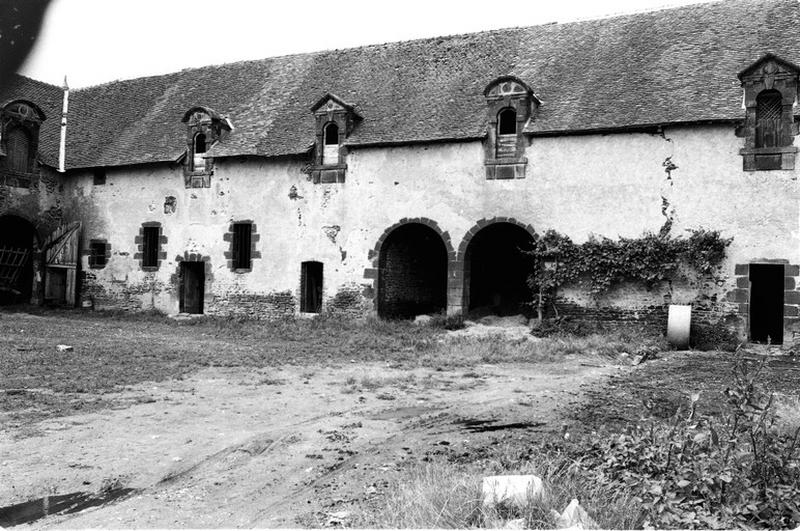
pixel 413 273
pixel 496 270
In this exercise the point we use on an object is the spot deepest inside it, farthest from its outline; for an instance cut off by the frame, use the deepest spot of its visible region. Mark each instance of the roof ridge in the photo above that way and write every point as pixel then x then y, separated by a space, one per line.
pixel 423 40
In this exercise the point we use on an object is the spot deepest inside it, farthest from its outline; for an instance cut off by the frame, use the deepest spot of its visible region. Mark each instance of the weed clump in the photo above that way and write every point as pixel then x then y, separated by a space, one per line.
pixel 739 468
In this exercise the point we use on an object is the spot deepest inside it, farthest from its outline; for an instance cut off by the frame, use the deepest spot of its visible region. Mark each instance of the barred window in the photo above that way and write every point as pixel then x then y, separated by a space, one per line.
pixel 98 254
pixel 769 119
pixel 18 146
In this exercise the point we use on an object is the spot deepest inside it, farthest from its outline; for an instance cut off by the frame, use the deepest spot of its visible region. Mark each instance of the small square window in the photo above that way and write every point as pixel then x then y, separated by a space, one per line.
pixel 99 176
pixel 98 254
pixel 242 239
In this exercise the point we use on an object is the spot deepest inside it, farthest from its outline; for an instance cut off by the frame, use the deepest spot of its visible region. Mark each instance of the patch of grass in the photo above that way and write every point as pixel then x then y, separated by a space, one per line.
pixel 113 350
pixel 443 494
pixel 448 322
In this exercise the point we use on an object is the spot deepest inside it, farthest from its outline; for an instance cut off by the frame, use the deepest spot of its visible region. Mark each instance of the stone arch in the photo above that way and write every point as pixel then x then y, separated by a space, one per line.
pixel 492 270
pixel 18 233
pixel 410 279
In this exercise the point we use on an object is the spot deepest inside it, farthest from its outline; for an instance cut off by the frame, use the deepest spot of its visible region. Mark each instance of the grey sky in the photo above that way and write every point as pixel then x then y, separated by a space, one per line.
pixel 94 41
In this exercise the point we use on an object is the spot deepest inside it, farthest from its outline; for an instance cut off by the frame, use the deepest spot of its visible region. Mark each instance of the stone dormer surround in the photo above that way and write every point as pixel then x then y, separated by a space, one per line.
pixel 770 73
pixel 331 109
pixel 214 127
pixel 505 153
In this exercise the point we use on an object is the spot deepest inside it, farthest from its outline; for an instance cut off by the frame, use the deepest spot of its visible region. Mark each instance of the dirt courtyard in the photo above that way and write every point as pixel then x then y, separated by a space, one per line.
pixel 289 445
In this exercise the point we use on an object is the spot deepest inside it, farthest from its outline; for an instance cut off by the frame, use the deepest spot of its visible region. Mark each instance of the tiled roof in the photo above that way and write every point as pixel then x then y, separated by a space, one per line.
pixel 675 65
pixel 49 99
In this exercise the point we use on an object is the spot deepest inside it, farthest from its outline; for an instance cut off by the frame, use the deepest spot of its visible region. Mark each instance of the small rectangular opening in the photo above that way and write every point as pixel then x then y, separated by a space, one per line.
pixel 150 237
pixel 242 239
pixel 97 254
pixel 99 176
pixel 766 303
pixel 311 287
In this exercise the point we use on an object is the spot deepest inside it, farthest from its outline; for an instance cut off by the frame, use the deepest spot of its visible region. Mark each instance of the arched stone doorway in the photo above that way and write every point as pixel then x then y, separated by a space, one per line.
pixel 412 272
pixel 17 243
pixel 496 269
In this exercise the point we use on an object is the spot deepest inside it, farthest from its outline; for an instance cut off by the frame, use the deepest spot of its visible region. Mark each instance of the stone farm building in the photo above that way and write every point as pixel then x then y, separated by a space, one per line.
pixel 402 178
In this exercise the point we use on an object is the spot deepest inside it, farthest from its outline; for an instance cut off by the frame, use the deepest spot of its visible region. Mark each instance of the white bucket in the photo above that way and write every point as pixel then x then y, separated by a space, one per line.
pixel 679 320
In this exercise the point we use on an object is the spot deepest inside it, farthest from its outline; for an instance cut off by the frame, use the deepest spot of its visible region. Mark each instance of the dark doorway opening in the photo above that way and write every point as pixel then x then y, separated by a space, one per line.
pixel 311 287
pixel 413 273
pixel 17 238
pixel 766 303
pixel 193 280
pixel 496 270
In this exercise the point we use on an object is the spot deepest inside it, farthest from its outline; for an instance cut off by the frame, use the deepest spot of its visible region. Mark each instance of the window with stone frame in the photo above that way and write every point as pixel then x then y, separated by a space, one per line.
pixel 330 151
pixel 150 247
pixel 18 150
pixel 150 244
pixel 770 88
pixel 241 246
pixel 204 128
pixel 769 119
pixel 243 238
pixel 20 122
pixel 335 120
pixel 510 105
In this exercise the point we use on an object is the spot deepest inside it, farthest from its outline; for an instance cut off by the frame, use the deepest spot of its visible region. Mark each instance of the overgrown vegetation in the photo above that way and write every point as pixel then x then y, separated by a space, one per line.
pixel 447 494
pixel 738 468
pixel 603 262
pixel 735 465
pixel 444 494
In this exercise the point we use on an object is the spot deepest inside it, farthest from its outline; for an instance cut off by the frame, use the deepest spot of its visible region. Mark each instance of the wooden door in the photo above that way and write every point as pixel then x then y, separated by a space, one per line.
pixel 192 286
pixel 61 264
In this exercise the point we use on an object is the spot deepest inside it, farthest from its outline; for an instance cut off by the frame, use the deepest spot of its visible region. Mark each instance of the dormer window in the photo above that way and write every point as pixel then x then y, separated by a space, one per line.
pixel 510 104
pixel 330 153
pixel 507 122
pixel 18 150
pixel 770 88
pixel 335 120
pixel 19 129
pixel 204 129
pixel 769 119
pixel 199 153
pixel 506 144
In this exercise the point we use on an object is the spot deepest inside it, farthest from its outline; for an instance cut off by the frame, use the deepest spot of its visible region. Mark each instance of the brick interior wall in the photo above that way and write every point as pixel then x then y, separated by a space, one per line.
pixel 413 273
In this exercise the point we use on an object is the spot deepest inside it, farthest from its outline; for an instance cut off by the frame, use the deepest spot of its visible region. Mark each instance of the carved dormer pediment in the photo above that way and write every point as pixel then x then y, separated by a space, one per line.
pixel 769 68
pixel 507 86
pixel 331 103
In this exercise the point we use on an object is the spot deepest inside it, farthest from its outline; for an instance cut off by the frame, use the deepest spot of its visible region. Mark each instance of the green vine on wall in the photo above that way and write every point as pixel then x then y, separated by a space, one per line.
pixel 603 262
